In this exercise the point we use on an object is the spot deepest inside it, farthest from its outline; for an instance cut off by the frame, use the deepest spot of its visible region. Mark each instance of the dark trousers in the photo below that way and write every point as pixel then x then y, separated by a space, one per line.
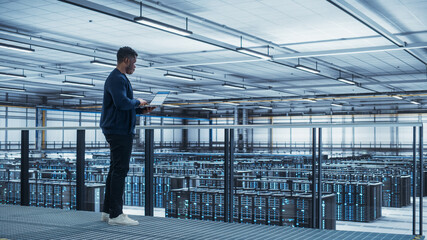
pixel 120 152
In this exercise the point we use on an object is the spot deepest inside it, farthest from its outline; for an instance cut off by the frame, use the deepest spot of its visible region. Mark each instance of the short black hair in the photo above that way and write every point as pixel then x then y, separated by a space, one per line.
pixel 125 52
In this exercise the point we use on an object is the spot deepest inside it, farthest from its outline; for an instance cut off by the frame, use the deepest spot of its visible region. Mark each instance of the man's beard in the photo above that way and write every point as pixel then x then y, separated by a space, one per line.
pixel 129 69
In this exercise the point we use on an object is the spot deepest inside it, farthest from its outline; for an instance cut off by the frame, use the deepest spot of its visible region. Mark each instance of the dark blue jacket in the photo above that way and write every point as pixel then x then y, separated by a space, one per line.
pixel 118 107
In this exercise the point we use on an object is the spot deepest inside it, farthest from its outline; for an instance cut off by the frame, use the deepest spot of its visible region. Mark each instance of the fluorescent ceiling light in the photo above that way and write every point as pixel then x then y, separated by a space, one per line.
pixel 78 84
pixel 162 26
pixel 254 53
pixel 179 77
pixel 13 75
pixel 16 48
pixel 71 95
pixel 336 105
pixel 414 102
pixel 13 89
pixel 345 81
pixel 307 69
pixel 233 86
pixel 397 97
pixel 209 109
pixel 265 107
pixel 170 105
pixel 309 100
pixel 231 103
pixel 142 92
pixel 105 64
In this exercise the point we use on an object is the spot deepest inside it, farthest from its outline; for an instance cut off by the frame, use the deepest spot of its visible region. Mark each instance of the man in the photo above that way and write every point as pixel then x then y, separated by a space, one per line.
pixel 118 118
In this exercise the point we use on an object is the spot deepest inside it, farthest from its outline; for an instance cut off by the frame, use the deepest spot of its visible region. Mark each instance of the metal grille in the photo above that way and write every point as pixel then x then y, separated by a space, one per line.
pixel 17 222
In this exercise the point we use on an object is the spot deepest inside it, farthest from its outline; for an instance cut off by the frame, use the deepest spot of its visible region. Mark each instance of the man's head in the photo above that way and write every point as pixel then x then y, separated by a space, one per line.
pixel 126 57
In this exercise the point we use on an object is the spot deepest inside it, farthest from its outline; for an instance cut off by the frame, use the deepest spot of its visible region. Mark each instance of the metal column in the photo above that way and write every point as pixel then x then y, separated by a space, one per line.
pixel 228 174
pixel 319 181
pixel 149 182
pixel 414 179
pixel 25 185
pixel 421 179
pixel 313 180
pixel 80 170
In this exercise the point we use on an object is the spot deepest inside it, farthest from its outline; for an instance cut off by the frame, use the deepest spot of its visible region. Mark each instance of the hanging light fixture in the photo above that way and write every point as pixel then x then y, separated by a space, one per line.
pixel 210 109
pixel 307 69
pixel 336 105
pixel 12 75
pixel 13 89
pixel 169 75
pixel 78 83
pixel 233 86
pixel 72 95
pixel 397 97
pixel 104 64
pixel 265 107
pixel 16 48
pixel 160 25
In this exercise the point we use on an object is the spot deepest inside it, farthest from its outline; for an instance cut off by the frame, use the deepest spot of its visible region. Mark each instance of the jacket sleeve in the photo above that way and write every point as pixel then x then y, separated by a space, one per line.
pixel 117 89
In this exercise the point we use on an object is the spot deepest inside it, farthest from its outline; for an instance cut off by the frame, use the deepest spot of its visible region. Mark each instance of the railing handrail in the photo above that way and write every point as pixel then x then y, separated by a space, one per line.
pixel 229 126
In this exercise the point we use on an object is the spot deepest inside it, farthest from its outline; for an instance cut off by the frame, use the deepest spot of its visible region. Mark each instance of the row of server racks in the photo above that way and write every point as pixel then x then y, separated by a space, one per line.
pixel 282 209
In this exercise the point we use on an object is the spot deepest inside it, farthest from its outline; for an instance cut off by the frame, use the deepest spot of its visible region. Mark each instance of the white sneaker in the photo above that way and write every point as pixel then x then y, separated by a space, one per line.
pixel 105 217
pixel 123 219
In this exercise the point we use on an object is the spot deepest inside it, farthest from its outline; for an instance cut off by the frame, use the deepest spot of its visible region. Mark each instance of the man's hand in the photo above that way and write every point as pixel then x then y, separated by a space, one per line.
pixel 142 102
pixel 148 110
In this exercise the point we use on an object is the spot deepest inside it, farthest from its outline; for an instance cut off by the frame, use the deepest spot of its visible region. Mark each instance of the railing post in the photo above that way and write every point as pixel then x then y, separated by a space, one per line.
pixel 313 180
pixel 231 173
pixel 149 182
pixel 25 185
pixel 226 174
pixel 80 170
pixel 319 180
pixel 414 179
pixel 421 178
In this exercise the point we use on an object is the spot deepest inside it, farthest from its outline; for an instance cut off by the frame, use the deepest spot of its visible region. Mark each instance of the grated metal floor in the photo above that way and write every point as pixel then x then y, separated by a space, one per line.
pixel 18 222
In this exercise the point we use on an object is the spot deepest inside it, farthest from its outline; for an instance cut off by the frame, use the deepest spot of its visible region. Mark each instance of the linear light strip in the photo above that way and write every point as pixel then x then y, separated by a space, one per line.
pixel 336 105
pixel 12 75
pixel 78 84
pixel 169 75
pixel 100 63
pixel 16 48
pixel 414 102
pixel 71 95
pixel 233 86
pixel 265 107
pixel 13 89
pixel 307 69
pixel 397 97
pixel 162 26
pixel 346 81
pixel 254 53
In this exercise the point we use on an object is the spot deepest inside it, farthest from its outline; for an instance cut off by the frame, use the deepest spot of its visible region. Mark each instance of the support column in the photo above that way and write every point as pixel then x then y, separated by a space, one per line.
pixel 313 180
pixel 149 181
pixel 25 185
pixel 245 131
pixel 184 141
pixel 80 170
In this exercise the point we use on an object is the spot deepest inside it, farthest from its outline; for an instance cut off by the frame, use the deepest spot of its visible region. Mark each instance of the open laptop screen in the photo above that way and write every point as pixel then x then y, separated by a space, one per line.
pixel 159 99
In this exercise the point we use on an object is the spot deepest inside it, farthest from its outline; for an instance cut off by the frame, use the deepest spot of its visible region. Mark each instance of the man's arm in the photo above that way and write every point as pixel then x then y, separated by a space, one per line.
pixel 117 89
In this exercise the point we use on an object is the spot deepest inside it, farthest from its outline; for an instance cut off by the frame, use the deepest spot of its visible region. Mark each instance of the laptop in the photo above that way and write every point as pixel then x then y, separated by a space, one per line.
pixel 158 99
